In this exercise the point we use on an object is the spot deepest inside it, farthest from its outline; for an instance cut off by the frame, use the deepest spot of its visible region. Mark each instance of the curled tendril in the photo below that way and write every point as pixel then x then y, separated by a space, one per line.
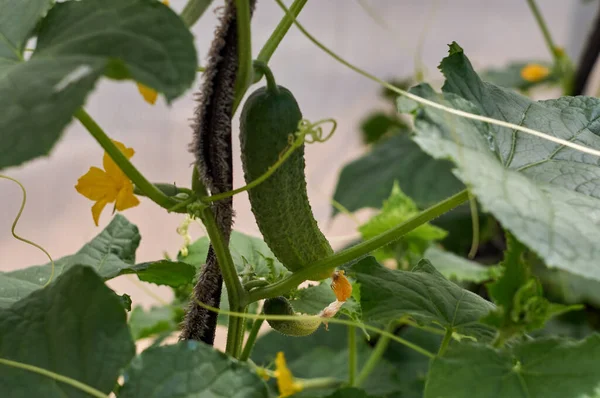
pixel 14 225
pixel 314 130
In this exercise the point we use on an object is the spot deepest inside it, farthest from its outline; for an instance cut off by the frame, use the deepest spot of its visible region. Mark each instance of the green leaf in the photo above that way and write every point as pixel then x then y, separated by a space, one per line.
pixel 163 272
pixel 154 321
pixel 460 269
pixel 78 42
pixel 368 181
pixel 325 354
pixel 537 368
pixel 190 369
pixel 378 124
pixel 395 210
pixel 541 192
pixel 510 76
pixel 109 253
pixel 75 327
pixel 423 293
pixel 519 296
pixel 251 256
pixel 17 22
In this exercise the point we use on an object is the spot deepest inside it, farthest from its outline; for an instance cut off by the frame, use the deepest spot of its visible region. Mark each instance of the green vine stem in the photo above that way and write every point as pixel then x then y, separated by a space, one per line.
pixel 251 339
pixel 145 186
pixel 193 11
pixel 278 34
pixel 376 355
pixel 235 292
pixel 445 342
pixel 319 383
pixel 55 376
pixel 245 72
pixel 544 28
pixel 361 249
pixel 264 69
pixel 352 355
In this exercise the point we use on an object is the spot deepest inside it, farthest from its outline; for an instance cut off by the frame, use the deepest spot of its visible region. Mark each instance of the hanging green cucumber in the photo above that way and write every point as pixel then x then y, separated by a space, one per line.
pixel 281 306
pixel 280 203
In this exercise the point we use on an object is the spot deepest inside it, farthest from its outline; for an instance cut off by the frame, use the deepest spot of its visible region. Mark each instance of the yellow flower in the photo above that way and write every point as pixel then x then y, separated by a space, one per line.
pixel 341 286
pixel 285 380
pixel 149 94
pixel 108 185
pixel 534 72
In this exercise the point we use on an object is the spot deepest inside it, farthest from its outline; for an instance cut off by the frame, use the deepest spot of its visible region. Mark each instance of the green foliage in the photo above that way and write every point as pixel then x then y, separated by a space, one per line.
pixel 378 125
pixel 547 367
pixel 395 210
pixel 252 257
pixel 190 369
pixel 164 272
pixel 519 297
pixel 460 269
pixel 368 181
pixel 349 392
pixel 510 76
pixel 75 327
pixel 77 43
pixel 424 294
pixel 326 353
pixel 110 253
pixel 540 191
pixel 154 321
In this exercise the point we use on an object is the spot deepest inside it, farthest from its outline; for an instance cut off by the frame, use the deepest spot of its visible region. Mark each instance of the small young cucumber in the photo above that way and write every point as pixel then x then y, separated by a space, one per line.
pixel 281 306
pixel 280 203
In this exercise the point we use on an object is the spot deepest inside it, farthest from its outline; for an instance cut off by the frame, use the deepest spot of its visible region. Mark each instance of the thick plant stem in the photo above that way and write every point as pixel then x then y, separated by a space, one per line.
pixel 319 383
pixel 251 339
pixel 445 342
pixel 235 292
pixel 193 10
pixel 362 249
pixel 376 355
pixel 141 183
pixel 544 28
pixel 245 71
pixel 280 31
pixel 352 355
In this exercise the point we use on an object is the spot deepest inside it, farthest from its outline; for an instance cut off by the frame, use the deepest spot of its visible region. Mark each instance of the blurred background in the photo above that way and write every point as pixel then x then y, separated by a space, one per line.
pixel 385 37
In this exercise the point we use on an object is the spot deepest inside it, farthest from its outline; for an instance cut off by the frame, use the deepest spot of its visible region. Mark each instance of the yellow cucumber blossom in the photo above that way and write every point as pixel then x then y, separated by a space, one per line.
pixel 285 380
pixel 150 95
pixel 534 72
pixel 342 288
pixel 108 185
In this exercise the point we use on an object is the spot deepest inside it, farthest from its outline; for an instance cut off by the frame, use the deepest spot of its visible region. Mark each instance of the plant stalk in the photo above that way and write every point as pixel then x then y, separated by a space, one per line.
pixel 545 31
pixel 245 71
pixel 193 10
pixel 251 339
pixel 352 355
pixel 445 342
pixel 376 355
pixel 360 250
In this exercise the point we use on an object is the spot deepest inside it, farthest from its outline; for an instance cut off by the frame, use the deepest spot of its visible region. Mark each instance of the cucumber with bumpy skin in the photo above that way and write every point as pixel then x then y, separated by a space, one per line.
pixel 281 306
pixel 280 203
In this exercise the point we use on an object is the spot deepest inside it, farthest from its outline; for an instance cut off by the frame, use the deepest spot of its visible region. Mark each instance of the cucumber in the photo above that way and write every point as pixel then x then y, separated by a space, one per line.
pixel 280 203
pixel 281 306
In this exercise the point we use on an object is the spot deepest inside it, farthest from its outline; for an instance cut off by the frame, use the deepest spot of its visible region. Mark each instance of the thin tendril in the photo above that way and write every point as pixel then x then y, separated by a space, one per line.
pixel 328 320
pixel 423 101
pixel 475 221
pixel 14 225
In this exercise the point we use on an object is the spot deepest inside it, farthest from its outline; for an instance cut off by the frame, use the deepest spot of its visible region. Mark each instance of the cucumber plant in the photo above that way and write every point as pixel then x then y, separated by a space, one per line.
pixel 406 310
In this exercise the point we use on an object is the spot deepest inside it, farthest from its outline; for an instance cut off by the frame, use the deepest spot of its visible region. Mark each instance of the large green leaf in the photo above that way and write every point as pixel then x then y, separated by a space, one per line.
pixel 75 327
pixel 190 369
pixel 422 293
pixel 154 321
pixel 459 269
pixel 549 368
pixel 109 253
pixel 368 181
pixel 325 354
pixel 544 193
pixel 78 42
